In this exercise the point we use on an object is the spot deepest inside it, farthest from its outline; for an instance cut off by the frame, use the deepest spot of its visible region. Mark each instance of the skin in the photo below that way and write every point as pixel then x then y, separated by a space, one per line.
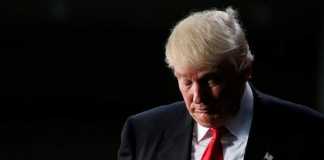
pixel 212 96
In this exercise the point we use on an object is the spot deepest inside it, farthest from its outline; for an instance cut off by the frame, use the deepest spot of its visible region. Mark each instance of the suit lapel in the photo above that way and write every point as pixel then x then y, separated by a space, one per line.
pixel 176 141
pixel 259 142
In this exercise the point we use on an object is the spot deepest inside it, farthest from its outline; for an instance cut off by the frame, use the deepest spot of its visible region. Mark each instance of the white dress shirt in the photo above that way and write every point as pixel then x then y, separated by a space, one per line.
pixel 234 143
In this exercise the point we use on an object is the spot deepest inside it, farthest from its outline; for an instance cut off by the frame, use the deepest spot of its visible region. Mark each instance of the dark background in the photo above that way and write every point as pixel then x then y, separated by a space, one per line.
pixel 73 71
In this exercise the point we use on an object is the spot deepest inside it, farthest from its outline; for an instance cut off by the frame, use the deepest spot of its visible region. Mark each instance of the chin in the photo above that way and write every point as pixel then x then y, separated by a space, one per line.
pixel 208 121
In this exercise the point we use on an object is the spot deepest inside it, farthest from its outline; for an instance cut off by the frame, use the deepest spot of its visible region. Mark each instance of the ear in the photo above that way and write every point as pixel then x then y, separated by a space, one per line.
pixel 247 73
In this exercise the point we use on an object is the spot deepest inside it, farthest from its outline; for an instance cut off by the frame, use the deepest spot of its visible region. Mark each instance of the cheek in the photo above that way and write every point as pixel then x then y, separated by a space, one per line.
pixel 216 91
pixel 186 97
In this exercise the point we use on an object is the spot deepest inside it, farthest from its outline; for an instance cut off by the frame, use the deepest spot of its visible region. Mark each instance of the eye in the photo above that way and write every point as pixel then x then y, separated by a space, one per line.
pixel 213 82
pixel 186 82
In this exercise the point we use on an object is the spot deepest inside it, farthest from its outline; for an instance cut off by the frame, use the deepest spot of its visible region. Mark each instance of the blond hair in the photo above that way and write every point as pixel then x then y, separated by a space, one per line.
pixel 203 37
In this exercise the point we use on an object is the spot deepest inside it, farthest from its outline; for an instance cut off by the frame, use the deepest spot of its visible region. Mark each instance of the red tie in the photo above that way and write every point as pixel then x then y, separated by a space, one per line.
pixel 214 149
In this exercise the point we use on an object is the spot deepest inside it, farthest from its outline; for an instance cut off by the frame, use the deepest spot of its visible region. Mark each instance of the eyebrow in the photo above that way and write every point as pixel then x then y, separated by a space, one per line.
pixel 178 74
pixel 212 76
pixel 207 75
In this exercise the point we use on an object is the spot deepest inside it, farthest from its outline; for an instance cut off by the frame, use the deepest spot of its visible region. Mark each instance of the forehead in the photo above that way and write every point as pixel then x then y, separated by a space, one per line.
pixel 190 72
pixel 222 63
pixel 222 67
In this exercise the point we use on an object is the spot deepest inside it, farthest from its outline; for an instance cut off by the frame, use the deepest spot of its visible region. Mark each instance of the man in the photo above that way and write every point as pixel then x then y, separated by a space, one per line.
pixel 222 116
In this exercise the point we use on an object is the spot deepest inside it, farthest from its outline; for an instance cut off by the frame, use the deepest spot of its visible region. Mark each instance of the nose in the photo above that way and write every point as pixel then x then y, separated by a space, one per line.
pixel 197 94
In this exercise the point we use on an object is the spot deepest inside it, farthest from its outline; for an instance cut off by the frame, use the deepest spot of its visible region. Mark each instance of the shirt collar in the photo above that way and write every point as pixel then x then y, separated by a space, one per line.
pixel 201 131
pixel 239 125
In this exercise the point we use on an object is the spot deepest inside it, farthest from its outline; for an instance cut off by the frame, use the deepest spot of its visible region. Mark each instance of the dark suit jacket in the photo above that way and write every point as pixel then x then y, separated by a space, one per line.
pixel 282 129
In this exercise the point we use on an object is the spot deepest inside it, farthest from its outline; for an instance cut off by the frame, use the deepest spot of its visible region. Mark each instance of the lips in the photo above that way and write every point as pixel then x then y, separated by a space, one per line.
pixel 201 110
pixel 206 109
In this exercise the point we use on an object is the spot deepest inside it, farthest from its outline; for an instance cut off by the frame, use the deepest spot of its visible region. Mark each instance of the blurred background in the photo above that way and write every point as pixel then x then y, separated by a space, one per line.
pixel 72 71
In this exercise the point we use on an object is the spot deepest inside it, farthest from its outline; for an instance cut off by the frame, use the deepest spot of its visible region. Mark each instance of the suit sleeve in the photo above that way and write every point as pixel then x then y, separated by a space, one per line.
pixel 127 145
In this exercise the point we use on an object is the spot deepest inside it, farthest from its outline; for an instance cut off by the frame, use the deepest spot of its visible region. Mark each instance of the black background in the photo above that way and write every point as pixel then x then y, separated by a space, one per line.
pixel 73 71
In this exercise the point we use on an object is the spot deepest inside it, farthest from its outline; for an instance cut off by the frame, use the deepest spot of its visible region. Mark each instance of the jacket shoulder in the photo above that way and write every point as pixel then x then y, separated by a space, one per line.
pixel 160 115
pixel 288 113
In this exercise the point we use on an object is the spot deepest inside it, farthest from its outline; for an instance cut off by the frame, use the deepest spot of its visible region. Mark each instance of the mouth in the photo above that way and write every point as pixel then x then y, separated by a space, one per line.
pixel 205 109
pixel 201 110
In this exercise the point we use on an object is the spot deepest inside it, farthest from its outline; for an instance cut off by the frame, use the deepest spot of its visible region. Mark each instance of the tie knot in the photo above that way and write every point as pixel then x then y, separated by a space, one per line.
pixel 215 133
pixel 214 149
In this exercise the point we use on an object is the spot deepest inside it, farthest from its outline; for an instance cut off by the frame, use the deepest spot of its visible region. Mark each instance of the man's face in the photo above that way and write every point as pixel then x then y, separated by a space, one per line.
pixel 211 96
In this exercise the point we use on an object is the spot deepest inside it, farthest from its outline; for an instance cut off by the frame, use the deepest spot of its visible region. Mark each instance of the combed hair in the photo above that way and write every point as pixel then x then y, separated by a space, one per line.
pixel 200 39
